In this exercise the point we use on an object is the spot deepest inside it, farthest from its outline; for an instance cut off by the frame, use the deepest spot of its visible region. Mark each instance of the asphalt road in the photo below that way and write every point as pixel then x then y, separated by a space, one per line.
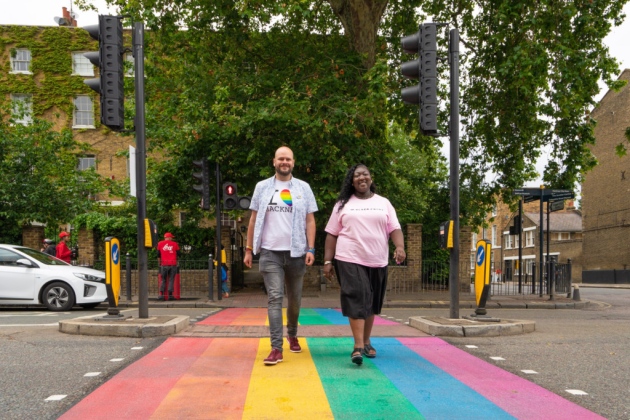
pixel 38 362
pixel 585 350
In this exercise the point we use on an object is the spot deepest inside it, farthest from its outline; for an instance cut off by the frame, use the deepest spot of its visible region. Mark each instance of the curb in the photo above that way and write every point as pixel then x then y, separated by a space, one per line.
pixel 132 327
pixel 445 327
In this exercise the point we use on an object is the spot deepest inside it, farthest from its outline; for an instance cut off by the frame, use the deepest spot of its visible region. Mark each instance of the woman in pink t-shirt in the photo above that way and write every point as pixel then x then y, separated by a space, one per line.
pixel 357 245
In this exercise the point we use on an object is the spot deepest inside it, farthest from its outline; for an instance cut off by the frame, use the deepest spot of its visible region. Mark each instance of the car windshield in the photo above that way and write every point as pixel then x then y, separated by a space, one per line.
pixel 41 257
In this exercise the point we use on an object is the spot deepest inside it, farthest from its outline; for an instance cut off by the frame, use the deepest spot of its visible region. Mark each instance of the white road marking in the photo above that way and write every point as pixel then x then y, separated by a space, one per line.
pixel 497 358
pixel 470 346
pixel 529 372
pixel 137 348
pixel 55 398
pixel 55 324
pixel 92 374
pixel 576 392
pixel 117 360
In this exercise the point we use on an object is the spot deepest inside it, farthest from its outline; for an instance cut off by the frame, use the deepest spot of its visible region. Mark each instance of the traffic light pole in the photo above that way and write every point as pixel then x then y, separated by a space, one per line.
pixel 141 170
pixel 217 233
pixel 454 172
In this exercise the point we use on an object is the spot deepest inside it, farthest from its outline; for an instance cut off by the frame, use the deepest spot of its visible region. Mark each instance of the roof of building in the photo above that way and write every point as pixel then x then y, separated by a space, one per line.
pixel 569 221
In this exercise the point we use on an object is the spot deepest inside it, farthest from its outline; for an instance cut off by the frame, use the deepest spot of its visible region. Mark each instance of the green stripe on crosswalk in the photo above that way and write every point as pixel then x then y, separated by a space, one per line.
pixel 356 392
pixel 309 316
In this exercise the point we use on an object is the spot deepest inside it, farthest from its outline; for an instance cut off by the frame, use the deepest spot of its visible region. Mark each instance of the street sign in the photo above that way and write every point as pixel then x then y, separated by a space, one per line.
pixel 531 194
pixel 527 191
pixel 556 205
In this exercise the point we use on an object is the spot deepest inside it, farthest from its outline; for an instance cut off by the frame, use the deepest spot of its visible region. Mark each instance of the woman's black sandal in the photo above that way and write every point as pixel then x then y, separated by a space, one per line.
pixel 367 349
pixel 357 356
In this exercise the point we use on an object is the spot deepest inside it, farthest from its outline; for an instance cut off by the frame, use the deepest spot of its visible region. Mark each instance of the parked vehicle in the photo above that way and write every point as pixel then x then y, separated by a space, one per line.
pixel 29 277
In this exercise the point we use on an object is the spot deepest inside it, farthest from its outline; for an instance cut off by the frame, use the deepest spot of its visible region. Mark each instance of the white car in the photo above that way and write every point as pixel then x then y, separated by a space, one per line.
pixel 30 277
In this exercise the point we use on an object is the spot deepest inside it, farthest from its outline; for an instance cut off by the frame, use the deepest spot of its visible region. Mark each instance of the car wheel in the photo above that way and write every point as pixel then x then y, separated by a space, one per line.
pixel 89 305
pixel 58 296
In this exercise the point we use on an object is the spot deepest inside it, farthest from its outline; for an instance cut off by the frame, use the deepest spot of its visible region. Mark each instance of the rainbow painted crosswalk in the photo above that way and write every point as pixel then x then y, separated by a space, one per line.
pixel 225 378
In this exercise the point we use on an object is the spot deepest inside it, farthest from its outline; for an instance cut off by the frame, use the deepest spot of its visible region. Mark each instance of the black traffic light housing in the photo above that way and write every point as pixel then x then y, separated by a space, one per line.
pixel 109 60
pixel 517 227
pixel 424 68
pixel 204 177
pixel 231 199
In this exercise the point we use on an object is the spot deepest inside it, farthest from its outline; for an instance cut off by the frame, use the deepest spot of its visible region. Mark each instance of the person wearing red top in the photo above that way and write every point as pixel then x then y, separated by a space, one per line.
pixel 63 252
pixel 168 250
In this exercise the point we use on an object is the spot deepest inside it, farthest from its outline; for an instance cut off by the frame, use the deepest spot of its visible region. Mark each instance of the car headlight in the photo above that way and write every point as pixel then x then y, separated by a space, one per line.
pixel 90 277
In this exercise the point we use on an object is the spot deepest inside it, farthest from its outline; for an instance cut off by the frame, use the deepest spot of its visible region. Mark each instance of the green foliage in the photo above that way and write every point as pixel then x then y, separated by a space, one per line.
pixel 39 178
pixel 245 78
pixel 51 51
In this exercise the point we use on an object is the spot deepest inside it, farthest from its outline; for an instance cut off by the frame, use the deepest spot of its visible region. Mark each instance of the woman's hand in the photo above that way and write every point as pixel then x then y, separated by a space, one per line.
pixel 329 271
pixel 400 255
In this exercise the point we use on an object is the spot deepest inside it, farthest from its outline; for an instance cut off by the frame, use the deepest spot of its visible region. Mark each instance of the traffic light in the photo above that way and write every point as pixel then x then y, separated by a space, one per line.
pixel 231 200
pixel 424 68
pixel 109 60
pixel 204 177
pixel 517 227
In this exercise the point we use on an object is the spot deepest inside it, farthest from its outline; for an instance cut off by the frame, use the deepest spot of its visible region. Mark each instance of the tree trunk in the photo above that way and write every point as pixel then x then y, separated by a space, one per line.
pixel 361 20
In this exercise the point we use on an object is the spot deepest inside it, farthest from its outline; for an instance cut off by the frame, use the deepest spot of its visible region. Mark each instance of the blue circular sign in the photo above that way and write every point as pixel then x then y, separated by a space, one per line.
pixel 481 255
pixel 115 253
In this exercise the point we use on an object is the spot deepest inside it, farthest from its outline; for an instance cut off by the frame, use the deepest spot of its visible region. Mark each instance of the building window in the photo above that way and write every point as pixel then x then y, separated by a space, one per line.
pixel 473 256
pixel 22 108
pixel 508 241
pixel 564 236
pixel 81 66
pixel 21 62
pixel 494 210
pixel 87 162
pixel 83 112
pixel 516 242
pixel 474 241
pixel 182 218
pixel 529 238
pixel 494 235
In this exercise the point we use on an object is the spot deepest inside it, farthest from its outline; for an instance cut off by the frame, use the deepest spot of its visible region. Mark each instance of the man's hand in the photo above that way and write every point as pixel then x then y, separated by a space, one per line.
pixel 248 259
pixel 310 258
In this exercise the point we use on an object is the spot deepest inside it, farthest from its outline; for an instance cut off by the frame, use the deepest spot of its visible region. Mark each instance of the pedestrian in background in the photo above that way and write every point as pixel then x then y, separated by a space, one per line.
pixel 49 247
pixel 357 246
pixel 168 251
pixel 62 250
pixel 282 230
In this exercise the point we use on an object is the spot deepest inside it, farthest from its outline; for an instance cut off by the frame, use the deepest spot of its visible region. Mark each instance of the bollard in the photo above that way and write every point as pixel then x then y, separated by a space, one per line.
pixel 576 292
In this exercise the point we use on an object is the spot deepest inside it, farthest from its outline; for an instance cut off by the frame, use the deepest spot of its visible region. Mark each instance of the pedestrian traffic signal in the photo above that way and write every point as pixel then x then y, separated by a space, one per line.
pixel 204 177
pixel 231 200
pixel 517 227
pixel 424 68
pixel 109 60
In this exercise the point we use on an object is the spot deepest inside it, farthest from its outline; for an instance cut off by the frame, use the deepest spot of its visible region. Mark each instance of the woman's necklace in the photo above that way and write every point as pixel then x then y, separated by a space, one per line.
pixel 366 197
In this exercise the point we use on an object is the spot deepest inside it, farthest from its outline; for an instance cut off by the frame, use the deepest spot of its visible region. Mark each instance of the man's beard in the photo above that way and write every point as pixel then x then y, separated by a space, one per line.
pixel 284 172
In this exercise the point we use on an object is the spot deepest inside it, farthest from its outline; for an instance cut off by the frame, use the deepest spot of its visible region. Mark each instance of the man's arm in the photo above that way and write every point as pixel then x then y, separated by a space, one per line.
pixel 310 237
pixel 249 245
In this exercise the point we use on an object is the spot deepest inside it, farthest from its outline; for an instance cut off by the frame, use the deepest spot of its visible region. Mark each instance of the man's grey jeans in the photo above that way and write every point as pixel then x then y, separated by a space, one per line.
pixel 279 269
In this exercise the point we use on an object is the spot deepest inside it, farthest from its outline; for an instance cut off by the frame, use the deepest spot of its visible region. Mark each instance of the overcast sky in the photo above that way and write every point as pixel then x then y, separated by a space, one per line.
pixel 43 12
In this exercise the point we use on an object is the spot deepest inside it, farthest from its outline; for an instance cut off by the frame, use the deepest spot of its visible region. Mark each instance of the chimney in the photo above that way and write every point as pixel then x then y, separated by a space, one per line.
pixel 570 205
pixel 66 15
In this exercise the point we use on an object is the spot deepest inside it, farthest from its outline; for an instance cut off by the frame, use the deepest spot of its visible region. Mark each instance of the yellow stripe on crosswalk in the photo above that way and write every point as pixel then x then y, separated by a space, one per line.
pixel 291 389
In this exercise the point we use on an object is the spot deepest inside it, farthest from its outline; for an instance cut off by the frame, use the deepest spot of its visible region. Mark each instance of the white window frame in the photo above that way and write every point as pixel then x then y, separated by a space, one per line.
pixel 86 162
pixel 88 112
pixel 22 103
pixel 530 239
pixel 494 210
pixel 494 236
pixel 473 245
pixel 22 58
pixel 81 66
pixel 564 236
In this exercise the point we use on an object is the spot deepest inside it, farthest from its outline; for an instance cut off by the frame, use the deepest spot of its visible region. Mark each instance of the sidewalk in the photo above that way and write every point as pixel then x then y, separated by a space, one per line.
pixel 256 298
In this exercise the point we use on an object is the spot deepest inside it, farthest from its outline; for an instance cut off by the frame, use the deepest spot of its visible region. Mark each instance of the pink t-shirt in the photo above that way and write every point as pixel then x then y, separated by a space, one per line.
pixel 362 229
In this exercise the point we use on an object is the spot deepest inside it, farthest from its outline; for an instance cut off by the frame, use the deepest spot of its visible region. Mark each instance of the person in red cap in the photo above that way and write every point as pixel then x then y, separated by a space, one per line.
pixel 63 252
pixel 168 251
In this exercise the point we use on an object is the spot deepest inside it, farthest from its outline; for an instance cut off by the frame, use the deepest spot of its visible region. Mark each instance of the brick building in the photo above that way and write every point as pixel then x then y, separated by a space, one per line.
pixel 606 193
pixel 565 239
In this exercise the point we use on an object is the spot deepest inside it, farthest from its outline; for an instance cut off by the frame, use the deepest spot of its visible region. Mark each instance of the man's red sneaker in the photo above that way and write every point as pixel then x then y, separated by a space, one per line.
pixel 294 344
pixel 274 357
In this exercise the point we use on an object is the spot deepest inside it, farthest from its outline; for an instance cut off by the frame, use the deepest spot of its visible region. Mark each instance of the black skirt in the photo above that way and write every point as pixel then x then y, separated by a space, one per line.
pixel 362 289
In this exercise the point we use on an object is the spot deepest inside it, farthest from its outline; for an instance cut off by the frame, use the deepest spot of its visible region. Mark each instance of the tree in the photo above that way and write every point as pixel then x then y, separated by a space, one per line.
pixel 246 74
pixel 39 176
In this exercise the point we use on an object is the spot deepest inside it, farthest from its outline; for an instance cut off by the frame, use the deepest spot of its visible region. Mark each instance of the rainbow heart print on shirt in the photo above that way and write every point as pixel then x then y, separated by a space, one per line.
pixel 285 195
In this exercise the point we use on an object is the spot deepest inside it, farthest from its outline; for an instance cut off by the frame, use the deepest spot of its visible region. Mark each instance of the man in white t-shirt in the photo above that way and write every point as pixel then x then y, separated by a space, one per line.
pixel 282 230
